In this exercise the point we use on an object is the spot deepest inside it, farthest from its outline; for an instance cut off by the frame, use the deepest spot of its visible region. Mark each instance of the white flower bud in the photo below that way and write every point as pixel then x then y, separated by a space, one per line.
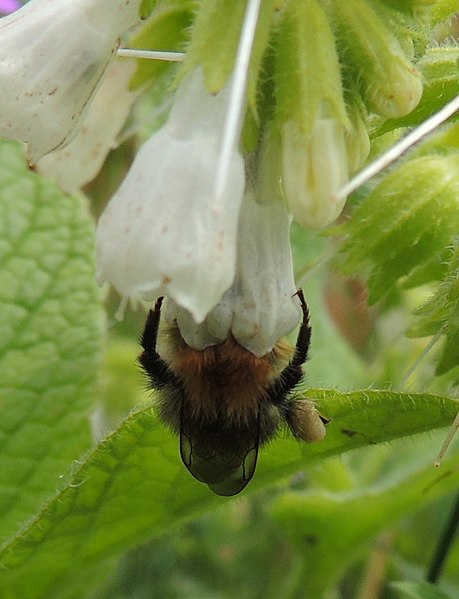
pixel 53 54
pixel 165 231
pixel 79 162
pixel 260 307
pixel 314 168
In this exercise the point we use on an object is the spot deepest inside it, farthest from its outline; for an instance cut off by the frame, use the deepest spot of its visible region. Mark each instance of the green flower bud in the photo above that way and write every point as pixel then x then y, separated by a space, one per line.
pixel 311 114
pixel 392 85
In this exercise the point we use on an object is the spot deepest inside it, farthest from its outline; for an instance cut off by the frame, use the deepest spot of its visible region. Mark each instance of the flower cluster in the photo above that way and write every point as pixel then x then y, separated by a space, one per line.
pixel 204 213
pixel 54 54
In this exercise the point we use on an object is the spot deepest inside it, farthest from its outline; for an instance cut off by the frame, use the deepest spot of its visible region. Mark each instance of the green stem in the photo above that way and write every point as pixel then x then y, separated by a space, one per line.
pixel 441 553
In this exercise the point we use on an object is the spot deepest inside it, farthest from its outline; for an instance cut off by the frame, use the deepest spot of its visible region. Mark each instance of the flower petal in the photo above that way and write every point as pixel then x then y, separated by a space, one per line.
pixel 53 54
pixel 79 161
pixel 259 308
pixel 162 233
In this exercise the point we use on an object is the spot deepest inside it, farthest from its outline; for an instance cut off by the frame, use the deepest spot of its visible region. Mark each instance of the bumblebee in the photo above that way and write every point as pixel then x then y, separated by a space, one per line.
pixel 224 402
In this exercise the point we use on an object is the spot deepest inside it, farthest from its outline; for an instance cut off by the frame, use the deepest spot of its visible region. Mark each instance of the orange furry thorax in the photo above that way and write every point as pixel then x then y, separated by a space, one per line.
pixel 224 378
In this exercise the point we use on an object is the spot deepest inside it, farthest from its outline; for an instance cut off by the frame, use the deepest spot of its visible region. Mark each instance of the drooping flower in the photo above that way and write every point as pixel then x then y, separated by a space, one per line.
pixel 53 54
pixel 167 231
pixel 79 161
pixel 260 307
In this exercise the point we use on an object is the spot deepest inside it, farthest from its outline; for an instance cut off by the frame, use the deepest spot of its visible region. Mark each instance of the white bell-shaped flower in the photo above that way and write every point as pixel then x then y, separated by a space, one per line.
pixel 260 307
pixel 314 168
pixel 79 161
pixel 53 54
pixel 167 231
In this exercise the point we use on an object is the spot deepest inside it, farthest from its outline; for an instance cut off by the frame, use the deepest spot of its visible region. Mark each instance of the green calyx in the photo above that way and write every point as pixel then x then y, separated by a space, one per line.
pixel 307 68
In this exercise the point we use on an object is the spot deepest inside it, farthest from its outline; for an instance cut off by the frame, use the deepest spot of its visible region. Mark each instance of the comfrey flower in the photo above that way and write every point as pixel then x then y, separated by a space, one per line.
pixel 79 161
pixel 167 231
pixel 260 307
pixel 53 54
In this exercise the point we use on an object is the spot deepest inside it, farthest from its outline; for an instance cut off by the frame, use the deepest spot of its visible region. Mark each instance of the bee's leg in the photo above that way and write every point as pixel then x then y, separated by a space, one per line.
pixel 304 420
pixel 304 335
pixel 292 373
pixel 156 368
pixel 150 332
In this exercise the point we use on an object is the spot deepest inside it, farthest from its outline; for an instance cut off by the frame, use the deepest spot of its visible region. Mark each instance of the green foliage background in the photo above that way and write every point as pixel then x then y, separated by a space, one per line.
pixel 72 509
pixel 94 500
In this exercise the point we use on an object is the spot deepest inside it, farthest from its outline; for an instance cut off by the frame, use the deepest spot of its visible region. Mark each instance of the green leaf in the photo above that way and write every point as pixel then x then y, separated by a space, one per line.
pixel 146 7
pixel 133 485
pixel 419 590
pixel 441 314
pixel 51 323
pixel 167 30
pixel 406 222
pixel 443 10
pixel 330 530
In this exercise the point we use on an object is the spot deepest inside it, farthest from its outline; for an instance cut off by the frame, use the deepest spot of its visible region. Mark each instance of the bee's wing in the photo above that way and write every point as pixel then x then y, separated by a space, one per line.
pixel 224 459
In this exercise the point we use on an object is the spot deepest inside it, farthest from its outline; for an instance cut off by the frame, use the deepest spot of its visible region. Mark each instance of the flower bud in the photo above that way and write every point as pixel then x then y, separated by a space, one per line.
pixel 392 85
pixel 311 115
pixel 314 169
pixel 53 54
pixel 166 231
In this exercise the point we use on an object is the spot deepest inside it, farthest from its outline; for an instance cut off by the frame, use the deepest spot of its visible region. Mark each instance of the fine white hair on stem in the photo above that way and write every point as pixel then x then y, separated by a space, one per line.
pixel 422 355
pixel 447 442
pixel 151 55
pixel 236 102
pixel 399 148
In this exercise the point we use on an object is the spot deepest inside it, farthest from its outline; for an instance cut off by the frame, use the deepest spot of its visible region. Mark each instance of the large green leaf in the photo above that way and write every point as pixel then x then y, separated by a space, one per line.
pixel 133 485
pixel 50 330
pixel 405 223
